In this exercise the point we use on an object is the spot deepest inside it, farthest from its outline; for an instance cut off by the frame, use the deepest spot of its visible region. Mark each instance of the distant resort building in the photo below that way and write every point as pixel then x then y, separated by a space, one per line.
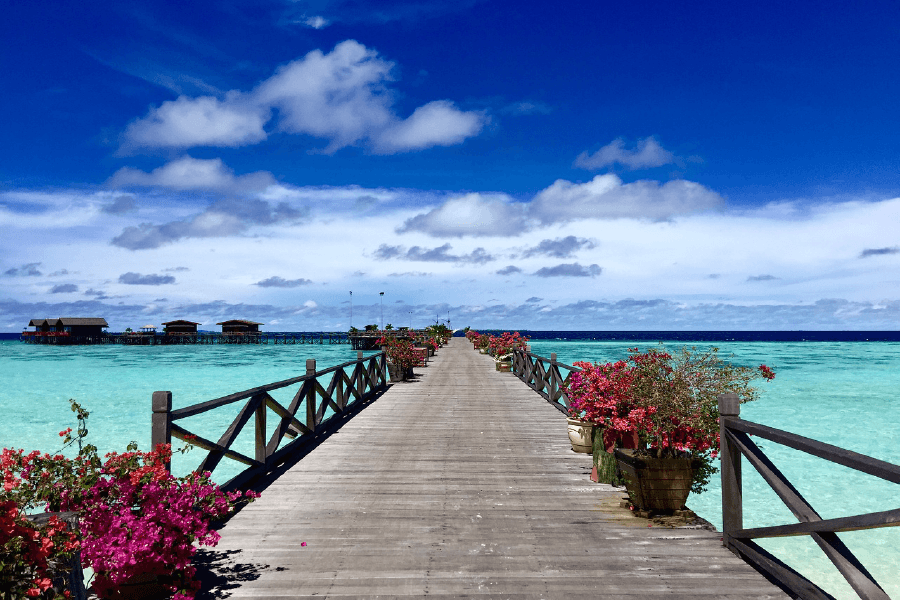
pixel 68 326
pixel 180 327
pixel 239 327
pixel 148 330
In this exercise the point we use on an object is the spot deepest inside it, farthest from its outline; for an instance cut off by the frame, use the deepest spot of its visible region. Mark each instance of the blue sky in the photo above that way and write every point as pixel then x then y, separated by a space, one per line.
pixel 509 164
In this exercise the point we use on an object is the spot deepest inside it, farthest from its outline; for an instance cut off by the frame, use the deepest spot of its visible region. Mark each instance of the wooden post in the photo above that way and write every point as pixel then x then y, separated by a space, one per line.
pixel 732 502
pixel 311 395
pixel 551 391
pixel 161 422
pixel 261 431
pixel 339 389
pixel 360 376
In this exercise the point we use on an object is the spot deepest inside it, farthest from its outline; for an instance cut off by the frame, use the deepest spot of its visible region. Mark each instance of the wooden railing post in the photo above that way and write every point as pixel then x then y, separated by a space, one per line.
pixel 261 431
pixel 161 423
pixel 551 390
pixel 311 394
pixel 732 501
pixel 339 390
pixel 360 376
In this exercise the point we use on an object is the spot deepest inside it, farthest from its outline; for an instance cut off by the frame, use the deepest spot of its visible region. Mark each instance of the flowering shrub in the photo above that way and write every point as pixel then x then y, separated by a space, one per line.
pixel 472 335
pixel 662 404
pixel 502 345
pixel 136 519
pixel 400 351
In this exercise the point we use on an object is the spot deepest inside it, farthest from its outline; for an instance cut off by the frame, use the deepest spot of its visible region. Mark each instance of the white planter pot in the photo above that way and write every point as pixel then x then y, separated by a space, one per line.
pixel 580 435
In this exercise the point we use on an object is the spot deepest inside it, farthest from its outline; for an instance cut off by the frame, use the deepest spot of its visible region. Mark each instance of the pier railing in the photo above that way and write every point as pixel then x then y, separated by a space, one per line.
pixel 305 418
pixel 735 442
pixel 543 375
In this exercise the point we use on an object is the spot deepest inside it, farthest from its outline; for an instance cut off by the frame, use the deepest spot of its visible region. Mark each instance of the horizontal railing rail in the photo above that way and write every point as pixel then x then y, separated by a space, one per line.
pixel 543 376
pixel 735 442
pixel 303 419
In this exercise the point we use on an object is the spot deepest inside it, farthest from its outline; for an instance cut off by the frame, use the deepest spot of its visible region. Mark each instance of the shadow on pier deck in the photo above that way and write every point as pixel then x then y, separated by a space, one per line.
pixel 461 483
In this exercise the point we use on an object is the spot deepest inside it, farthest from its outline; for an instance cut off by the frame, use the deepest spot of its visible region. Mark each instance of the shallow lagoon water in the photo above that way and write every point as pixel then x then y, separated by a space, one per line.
pixel 115 383
pixel 842 393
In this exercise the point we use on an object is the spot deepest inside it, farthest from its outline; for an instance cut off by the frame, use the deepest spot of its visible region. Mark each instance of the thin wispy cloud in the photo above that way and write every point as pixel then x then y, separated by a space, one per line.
pixel 64 288
pixel 27 270
pixel 569 270
pixel 316 22
pixel 132 278
pixel 646 154
pixel 225 218
pixel 187 173
pixel 559 247
pixel 477 256
pixel 762 278
pixel 509 270
pixel 879 252
pixel 280 282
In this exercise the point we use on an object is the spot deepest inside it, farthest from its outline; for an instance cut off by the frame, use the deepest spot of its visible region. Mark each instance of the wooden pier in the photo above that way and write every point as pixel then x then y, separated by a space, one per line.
pixel 460 483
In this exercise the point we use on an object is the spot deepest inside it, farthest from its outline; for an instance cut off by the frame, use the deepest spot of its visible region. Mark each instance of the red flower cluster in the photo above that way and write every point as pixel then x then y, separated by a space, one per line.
pixel 29 553
pixel 667 404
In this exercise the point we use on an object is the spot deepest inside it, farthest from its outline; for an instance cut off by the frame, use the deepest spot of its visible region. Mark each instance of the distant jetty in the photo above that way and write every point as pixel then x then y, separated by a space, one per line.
pixel 81 331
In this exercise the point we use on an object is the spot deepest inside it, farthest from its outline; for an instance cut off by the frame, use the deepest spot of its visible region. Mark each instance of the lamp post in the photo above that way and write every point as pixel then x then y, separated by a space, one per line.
pixel 382 309
pixel 351 310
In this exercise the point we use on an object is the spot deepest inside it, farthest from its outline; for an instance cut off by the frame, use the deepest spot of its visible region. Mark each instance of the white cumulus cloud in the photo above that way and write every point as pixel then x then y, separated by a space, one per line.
pixel 606 197
pixel 203 121
pixel 437 123
pixel 470 215
pixel 341 96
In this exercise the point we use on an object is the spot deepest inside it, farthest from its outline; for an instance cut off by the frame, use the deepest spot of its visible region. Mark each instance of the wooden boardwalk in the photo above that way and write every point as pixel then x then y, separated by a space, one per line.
pixel 460 484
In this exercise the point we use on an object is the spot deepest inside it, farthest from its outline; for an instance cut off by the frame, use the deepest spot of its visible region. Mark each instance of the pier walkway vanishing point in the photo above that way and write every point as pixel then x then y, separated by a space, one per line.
pixel 461 483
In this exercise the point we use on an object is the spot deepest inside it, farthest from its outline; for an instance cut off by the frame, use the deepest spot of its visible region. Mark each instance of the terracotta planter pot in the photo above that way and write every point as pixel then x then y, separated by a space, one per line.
pixel 580 435
pixel 656 483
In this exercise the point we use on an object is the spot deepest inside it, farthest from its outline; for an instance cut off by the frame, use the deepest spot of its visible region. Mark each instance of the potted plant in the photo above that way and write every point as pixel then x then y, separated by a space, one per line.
pixel 658 413
pixel 401 357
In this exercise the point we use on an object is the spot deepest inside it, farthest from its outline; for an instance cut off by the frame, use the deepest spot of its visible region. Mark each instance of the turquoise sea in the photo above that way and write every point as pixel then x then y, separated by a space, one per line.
pixel 843 393
pixel 115 383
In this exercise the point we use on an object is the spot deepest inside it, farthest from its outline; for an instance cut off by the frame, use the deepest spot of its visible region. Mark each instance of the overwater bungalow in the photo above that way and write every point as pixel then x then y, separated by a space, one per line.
pixel 68 326
pixel 239 327
pixel 180 327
